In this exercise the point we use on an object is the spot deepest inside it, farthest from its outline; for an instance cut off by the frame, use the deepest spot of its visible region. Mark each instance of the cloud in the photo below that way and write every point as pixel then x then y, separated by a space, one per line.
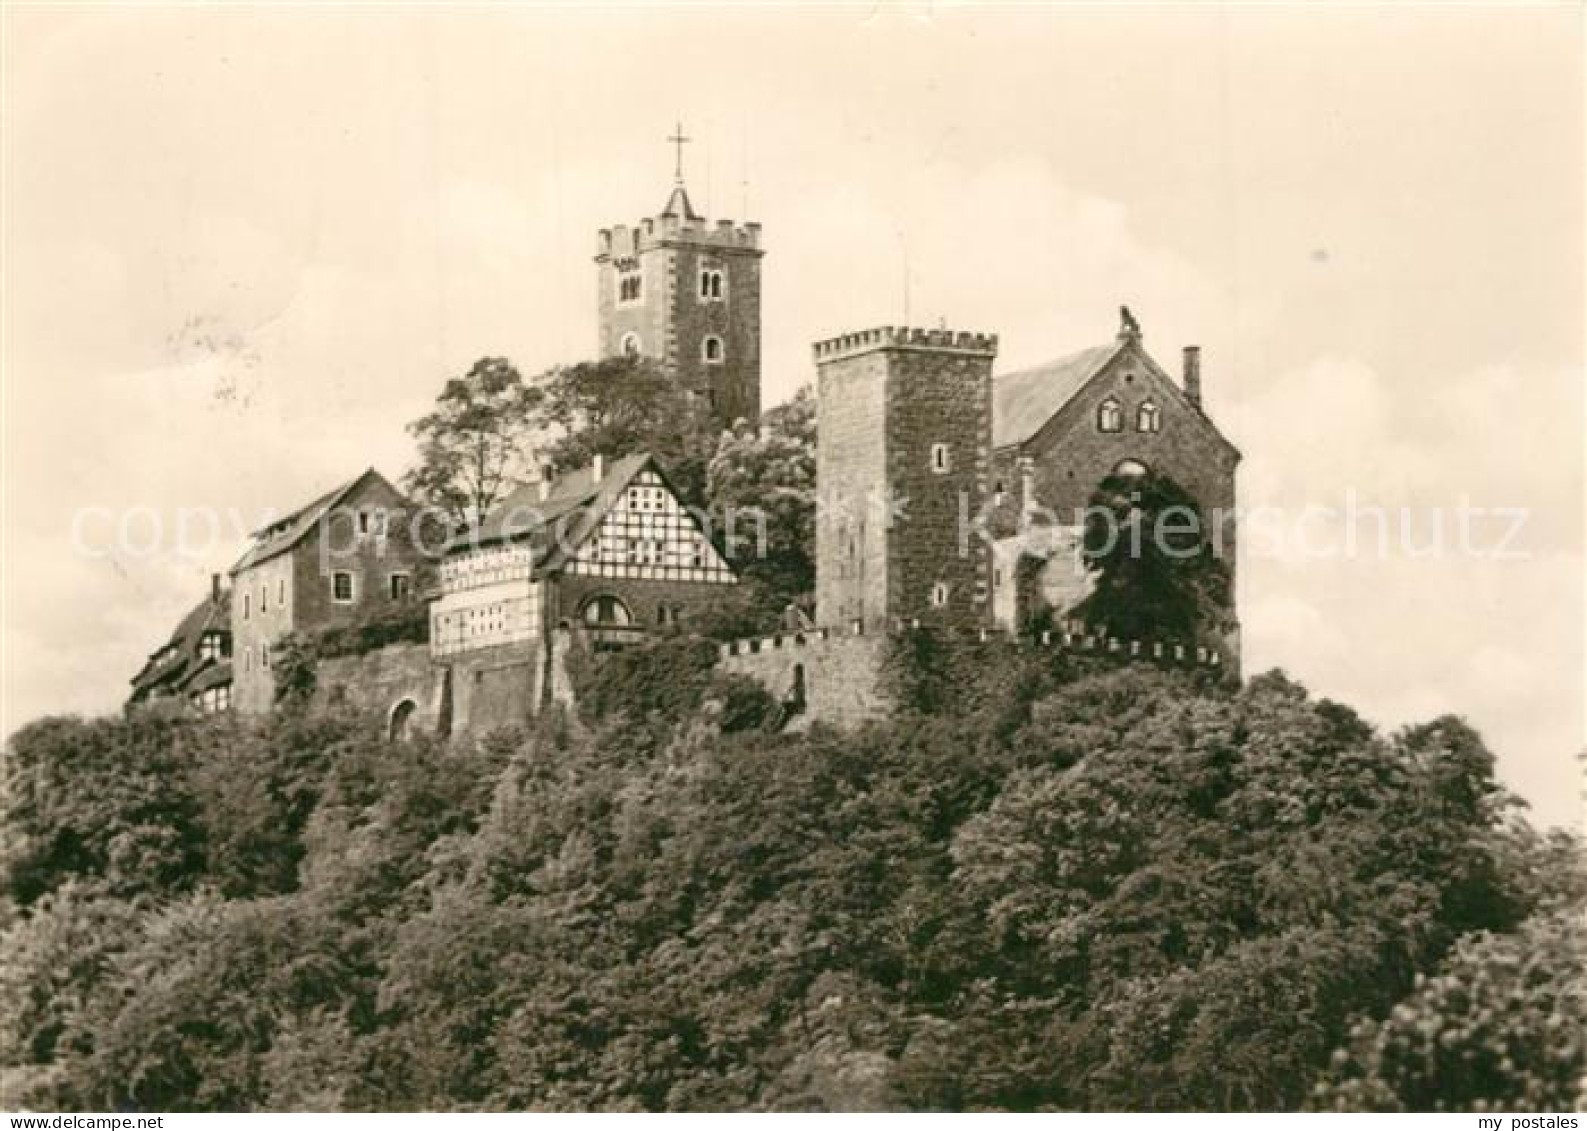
pixel 1403 636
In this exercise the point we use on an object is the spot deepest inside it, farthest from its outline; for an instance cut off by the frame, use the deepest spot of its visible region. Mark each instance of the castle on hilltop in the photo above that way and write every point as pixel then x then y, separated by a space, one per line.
pixel 947 499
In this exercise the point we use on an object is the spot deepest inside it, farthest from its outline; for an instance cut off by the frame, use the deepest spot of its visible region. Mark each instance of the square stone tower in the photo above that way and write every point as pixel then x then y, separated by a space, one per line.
pixel 904 440
pixel 686 292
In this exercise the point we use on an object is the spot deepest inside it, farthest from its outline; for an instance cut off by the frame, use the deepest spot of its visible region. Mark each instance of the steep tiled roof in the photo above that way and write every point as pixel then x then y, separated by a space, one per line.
pixel 284 533
pixel 177 661
pixel 215 673
pixel 576 501
pixel 1025 400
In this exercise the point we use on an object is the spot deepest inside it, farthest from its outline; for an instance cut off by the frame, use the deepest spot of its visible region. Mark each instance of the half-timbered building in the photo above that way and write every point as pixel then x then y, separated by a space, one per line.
pixel 602 555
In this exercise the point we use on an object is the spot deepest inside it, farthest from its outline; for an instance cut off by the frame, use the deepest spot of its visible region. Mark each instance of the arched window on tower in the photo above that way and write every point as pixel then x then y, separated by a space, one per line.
pixel 711 349
pixel 629 286
pixel 1148 418
pixel 630 344
pixel 1110 417
pixel 710 283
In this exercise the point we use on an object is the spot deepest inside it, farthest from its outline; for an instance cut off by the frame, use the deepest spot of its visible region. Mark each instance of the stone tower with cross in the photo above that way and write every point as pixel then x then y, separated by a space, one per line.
pixel 685 292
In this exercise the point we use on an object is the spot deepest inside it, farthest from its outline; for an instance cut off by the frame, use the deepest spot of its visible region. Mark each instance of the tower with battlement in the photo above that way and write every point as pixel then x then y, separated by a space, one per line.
pixel 685 292
pixel 904 440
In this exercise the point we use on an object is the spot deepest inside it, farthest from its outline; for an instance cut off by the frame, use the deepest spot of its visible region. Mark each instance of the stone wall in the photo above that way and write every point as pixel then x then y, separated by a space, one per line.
pixel 378 682
pixel 851 462
pixel 939 398
pixel 842 673
pixel 495 687
pixel 261 614
pixel 734 382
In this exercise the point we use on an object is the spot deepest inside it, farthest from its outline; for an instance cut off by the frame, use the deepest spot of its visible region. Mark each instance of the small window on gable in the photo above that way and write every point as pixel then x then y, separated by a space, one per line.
pixel 1148 418
pixel 1110 417
pixel 342 586
pixel 939 595
pixel 630 344
pixel 711 348
pixel 941 462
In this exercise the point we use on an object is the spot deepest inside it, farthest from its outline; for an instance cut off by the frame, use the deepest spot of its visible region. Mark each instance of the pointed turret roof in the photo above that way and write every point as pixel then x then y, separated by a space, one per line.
pixel 678 204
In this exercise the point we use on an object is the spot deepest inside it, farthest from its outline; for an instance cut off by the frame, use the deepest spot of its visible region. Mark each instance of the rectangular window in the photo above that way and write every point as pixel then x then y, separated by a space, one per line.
pixel 342 586
pixel 264 655
pixel 247 607
pixel 264 599
pixel 400 586
pixel 363 522
pixel 281 591
pixel 940 462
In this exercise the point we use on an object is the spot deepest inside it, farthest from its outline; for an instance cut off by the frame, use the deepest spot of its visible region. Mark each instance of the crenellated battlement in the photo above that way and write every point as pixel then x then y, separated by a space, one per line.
pixel 1073 636
pixel 659 231
pixel 905 337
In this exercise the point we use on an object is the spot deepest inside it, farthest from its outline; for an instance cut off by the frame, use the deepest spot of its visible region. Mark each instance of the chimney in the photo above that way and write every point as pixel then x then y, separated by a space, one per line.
pixel 1193 375
pixel 214 588
pixel 597 468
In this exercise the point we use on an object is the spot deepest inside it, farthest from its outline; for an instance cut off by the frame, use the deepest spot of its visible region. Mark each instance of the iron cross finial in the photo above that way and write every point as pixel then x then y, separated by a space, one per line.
pixel 679 140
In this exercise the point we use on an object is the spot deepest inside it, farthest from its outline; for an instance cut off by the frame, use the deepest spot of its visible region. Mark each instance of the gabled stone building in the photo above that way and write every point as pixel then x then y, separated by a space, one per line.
pixel 353 551
pixel 1059 429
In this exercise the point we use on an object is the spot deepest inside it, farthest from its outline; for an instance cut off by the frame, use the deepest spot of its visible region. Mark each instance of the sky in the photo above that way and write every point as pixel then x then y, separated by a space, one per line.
pixel 243 246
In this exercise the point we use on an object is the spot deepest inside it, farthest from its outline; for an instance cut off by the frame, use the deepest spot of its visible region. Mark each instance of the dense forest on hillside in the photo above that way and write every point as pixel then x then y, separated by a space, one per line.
pixel 1079 888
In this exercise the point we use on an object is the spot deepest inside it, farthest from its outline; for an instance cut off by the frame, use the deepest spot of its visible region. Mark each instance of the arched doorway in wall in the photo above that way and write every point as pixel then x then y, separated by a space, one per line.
pixel 400 728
